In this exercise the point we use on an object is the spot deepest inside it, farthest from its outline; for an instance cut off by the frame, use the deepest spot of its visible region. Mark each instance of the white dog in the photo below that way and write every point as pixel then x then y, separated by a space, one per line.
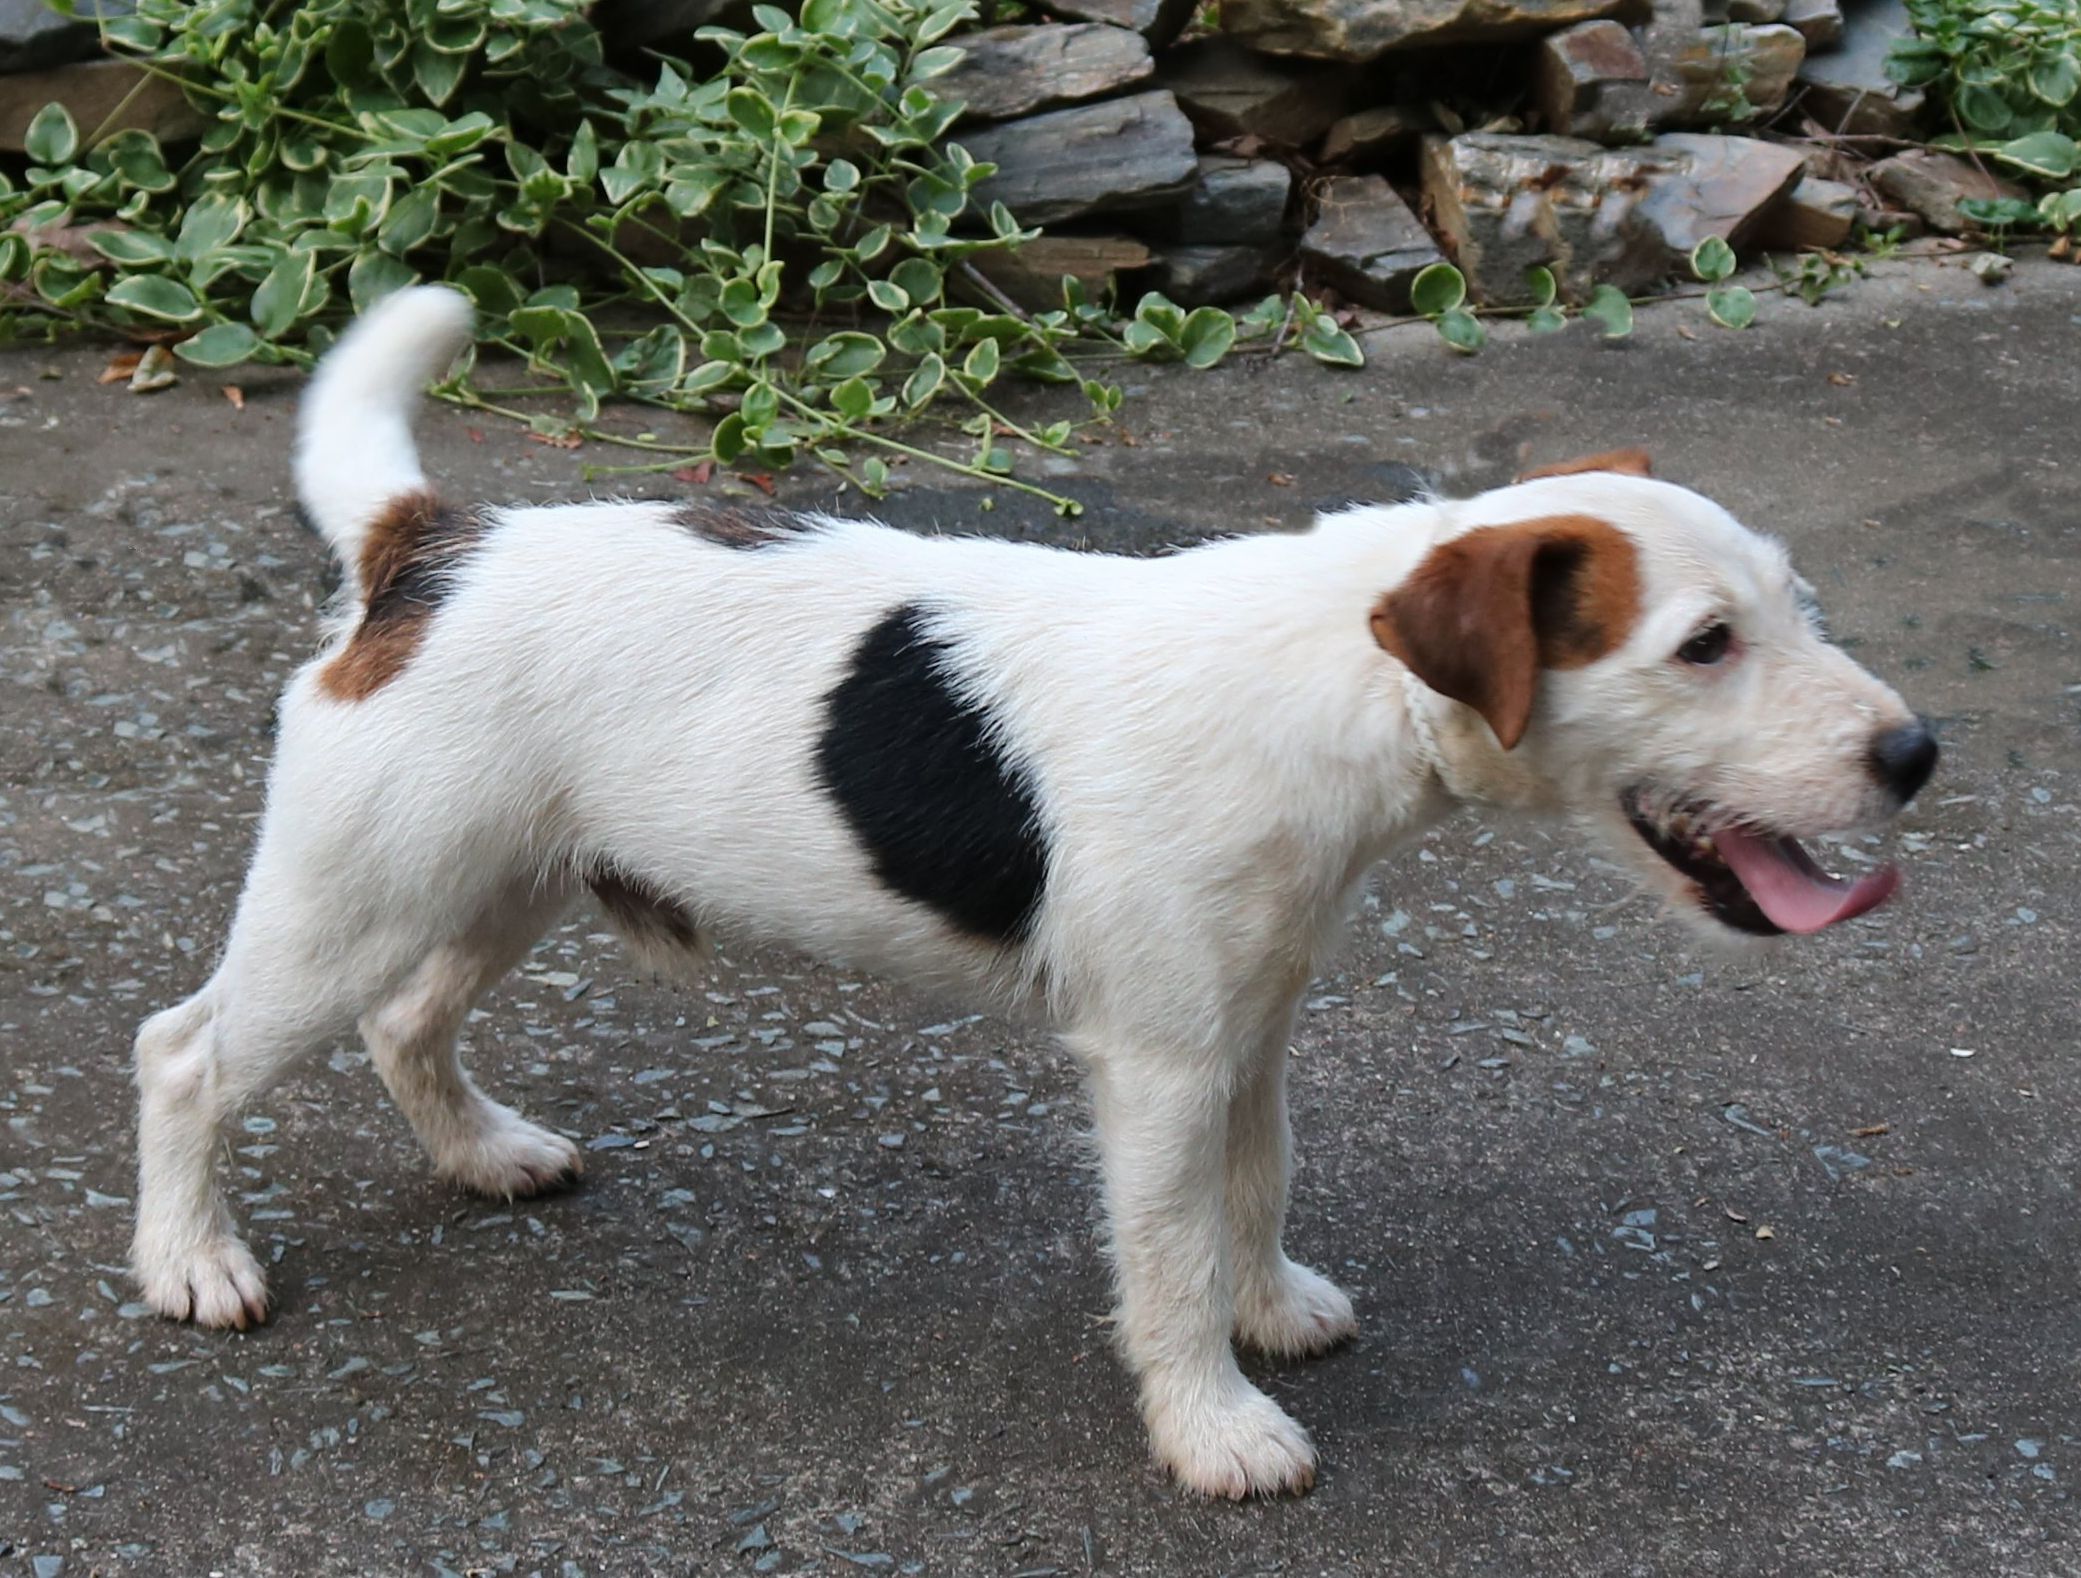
pixel 1132 797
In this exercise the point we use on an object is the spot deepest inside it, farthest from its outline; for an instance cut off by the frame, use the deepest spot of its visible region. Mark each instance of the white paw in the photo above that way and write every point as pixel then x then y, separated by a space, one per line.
pixel 509 1158
pixel 216 1283
pixel 1301 1314
pixel 1237 1445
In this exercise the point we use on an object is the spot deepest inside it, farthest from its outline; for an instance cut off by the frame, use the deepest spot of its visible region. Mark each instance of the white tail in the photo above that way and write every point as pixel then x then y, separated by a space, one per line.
pixel 354 450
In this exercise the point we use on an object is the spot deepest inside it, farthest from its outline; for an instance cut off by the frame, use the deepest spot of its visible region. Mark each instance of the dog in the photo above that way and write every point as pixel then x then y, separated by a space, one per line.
pixel 1134 799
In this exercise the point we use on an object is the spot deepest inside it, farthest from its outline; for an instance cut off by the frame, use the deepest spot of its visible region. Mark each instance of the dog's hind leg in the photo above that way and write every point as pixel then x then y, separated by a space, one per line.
pixel 475 1141
pixel 1282 1308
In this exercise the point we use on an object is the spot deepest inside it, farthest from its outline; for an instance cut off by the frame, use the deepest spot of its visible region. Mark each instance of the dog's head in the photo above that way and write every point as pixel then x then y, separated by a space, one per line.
pixel 1624 651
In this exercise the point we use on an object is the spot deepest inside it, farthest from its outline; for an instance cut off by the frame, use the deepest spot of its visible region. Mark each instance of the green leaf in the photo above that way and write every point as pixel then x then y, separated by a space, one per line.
pixel 2049 154
pixel 841 176
pixel 751 110
pixel 1712 260
pixel 981 364
pixel 280 297
pixel 1983 109
pixel 411 220
pixel 845 355
pixel 1731 306
pixel 1330 345
pixel 1206 337
pixel 138 161
pixel 924 383
pixel 853 399
pixel 582 163
pixel 874 473
pixel 1544 320
pixel 131 248
pixel 1461 330
pixel 1540 281
pixel 155 296
pixel 1439 288
pixel 51 139
pixel 887 296
pixel 14 256
pixel 741 304
pixel 729 440
pixel 220 345
pixel 210 223
pixel 918 278
pixel 1609 309
pixel 373 275
pixel 2056 79
pixel 437 73
pixel 492 289
pixel 1144 339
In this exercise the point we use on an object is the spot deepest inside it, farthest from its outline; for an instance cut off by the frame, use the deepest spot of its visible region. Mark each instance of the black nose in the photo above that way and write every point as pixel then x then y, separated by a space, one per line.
pixel 1903 758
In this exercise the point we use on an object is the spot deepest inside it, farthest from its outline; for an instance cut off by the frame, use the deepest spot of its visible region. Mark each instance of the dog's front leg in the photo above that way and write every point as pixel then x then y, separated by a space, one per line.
pixel 1282 1308
pixel 1163 1131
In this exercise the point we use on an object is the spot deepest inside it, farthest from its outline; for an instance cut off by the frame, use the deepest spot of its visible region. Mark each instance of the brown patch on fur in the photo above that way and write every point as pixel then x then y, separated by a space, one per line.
pixel 406 562
pixel 738 525
pixel 1484 613
pixel 1626 462
pixel 655 926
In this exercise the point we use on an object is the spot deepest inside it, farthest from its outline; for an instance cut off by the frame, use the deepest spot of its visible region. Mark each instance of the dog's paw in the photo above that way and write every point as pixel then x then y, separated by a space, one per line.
pixel 509 1158
pixel 217 1283
pixel 1237 1445
pixel 1302 1313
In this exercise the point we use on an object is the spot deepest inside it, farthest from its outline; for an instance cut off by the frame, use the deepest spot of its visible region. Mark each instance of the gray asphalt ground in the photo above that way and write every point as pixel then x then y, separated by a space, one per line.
pixel 1666 1264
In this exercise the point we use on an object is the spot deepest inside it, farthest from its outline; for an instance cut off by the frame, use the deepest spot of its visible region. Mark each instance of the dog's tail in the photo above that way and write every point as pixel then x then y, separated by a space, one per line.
pixel 354 450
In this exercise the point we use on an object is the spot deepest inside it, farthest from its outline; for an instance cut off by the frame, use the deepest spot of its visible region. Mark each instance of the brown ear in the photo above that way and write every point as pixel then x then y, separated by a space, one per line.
pixel 1484 613
pixel 1627 462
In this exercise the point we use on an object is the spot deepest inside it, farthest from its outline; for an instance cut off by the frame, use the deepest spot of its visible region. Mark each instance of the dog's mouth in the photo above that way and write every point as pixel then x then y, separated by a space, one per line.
pixel 1758 882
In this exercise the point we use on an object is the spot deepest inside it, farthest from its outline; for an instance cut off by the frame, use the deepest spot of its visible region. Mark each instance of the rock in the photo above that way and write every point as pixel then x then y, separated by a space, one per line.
pixel 636 24
pixel 1235 202
pixel 1230 92
pixel 1123 153
pixel 1372 135
pixel 33 37
pixel 1820 23
pixel 1755 11
pixel 1934 184
pixel 1847 92
pixel 1715 186
pixel 1815 213
pixel 1159 21
pixel 1210 276
pixel 1366 244
pixel 113 95
pixel 1619 216
pixel 1012 71
pixel 1032 275
pixel 1363 30
pixel 1732 73
pixel 1591 80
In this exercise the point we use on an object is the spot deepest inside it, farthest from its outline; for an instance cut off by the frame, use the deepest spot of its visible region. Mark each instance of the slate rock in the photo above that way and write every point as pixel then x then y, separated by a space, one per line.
pixel 1230 92
pixel 1093 159
pixel 1820 23
pixel 1816 213
pixel 1847 91
pixel 1933 184
pixel 1235 202
pixel 1755 11
pixel 33 37
pixel 1591 80
pixel 1364 30
pixel 1032 274
pixel 1159 21
pixel 1375 134
pixel 1366 244
pixel 1013 71
pixel 111 94
pixel 1732 74
pixel 1202 276
pixel 1619 216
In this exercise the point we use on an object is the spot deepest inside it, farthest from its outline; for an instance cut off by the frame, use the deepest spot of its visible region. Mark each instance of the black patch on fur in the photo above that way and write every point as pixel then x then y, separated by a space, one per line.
pixel 739 525
pixel 914 767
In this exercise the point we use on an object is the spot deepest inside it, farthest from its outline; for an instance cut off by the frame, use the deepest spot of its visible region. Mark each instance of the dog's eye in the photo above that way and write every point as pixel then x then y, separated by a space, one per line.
pixel 1707 647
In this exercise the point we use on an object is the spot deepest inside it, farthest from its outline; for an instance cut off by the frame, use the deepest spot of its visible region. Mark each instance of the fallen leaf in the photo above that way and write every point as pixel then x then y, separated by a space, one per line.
pixel 120 367
pixel 1766 1232
pixel 1279 479
pixel 1685 331
pixel 474 434
pixel 1871 1131
pixel 154 371
pixel 697 475
pixel 236 396
pixel 760 480
pixel 555 440
pixel 1842 380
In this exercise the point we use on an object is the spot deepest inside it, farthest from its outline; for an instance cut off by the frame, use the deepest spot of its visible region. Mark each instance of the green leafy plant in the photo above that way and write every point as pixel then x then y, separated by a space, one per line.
pixel 1439 293
pixel 1730 306
pixel 2005 68
pixel 786 246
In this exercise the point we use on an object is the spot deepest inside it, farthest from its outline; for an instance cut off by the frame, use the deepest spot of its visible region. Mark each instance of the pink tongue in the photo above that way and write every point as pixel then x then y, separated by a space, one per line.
pixel 1796 894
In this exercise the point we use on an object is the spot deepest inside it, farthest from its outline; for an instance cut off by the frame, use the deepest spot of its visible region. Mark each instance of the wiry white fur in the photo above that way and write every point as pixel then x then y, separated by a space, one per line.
pixel 1219 750
pixel 354 449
